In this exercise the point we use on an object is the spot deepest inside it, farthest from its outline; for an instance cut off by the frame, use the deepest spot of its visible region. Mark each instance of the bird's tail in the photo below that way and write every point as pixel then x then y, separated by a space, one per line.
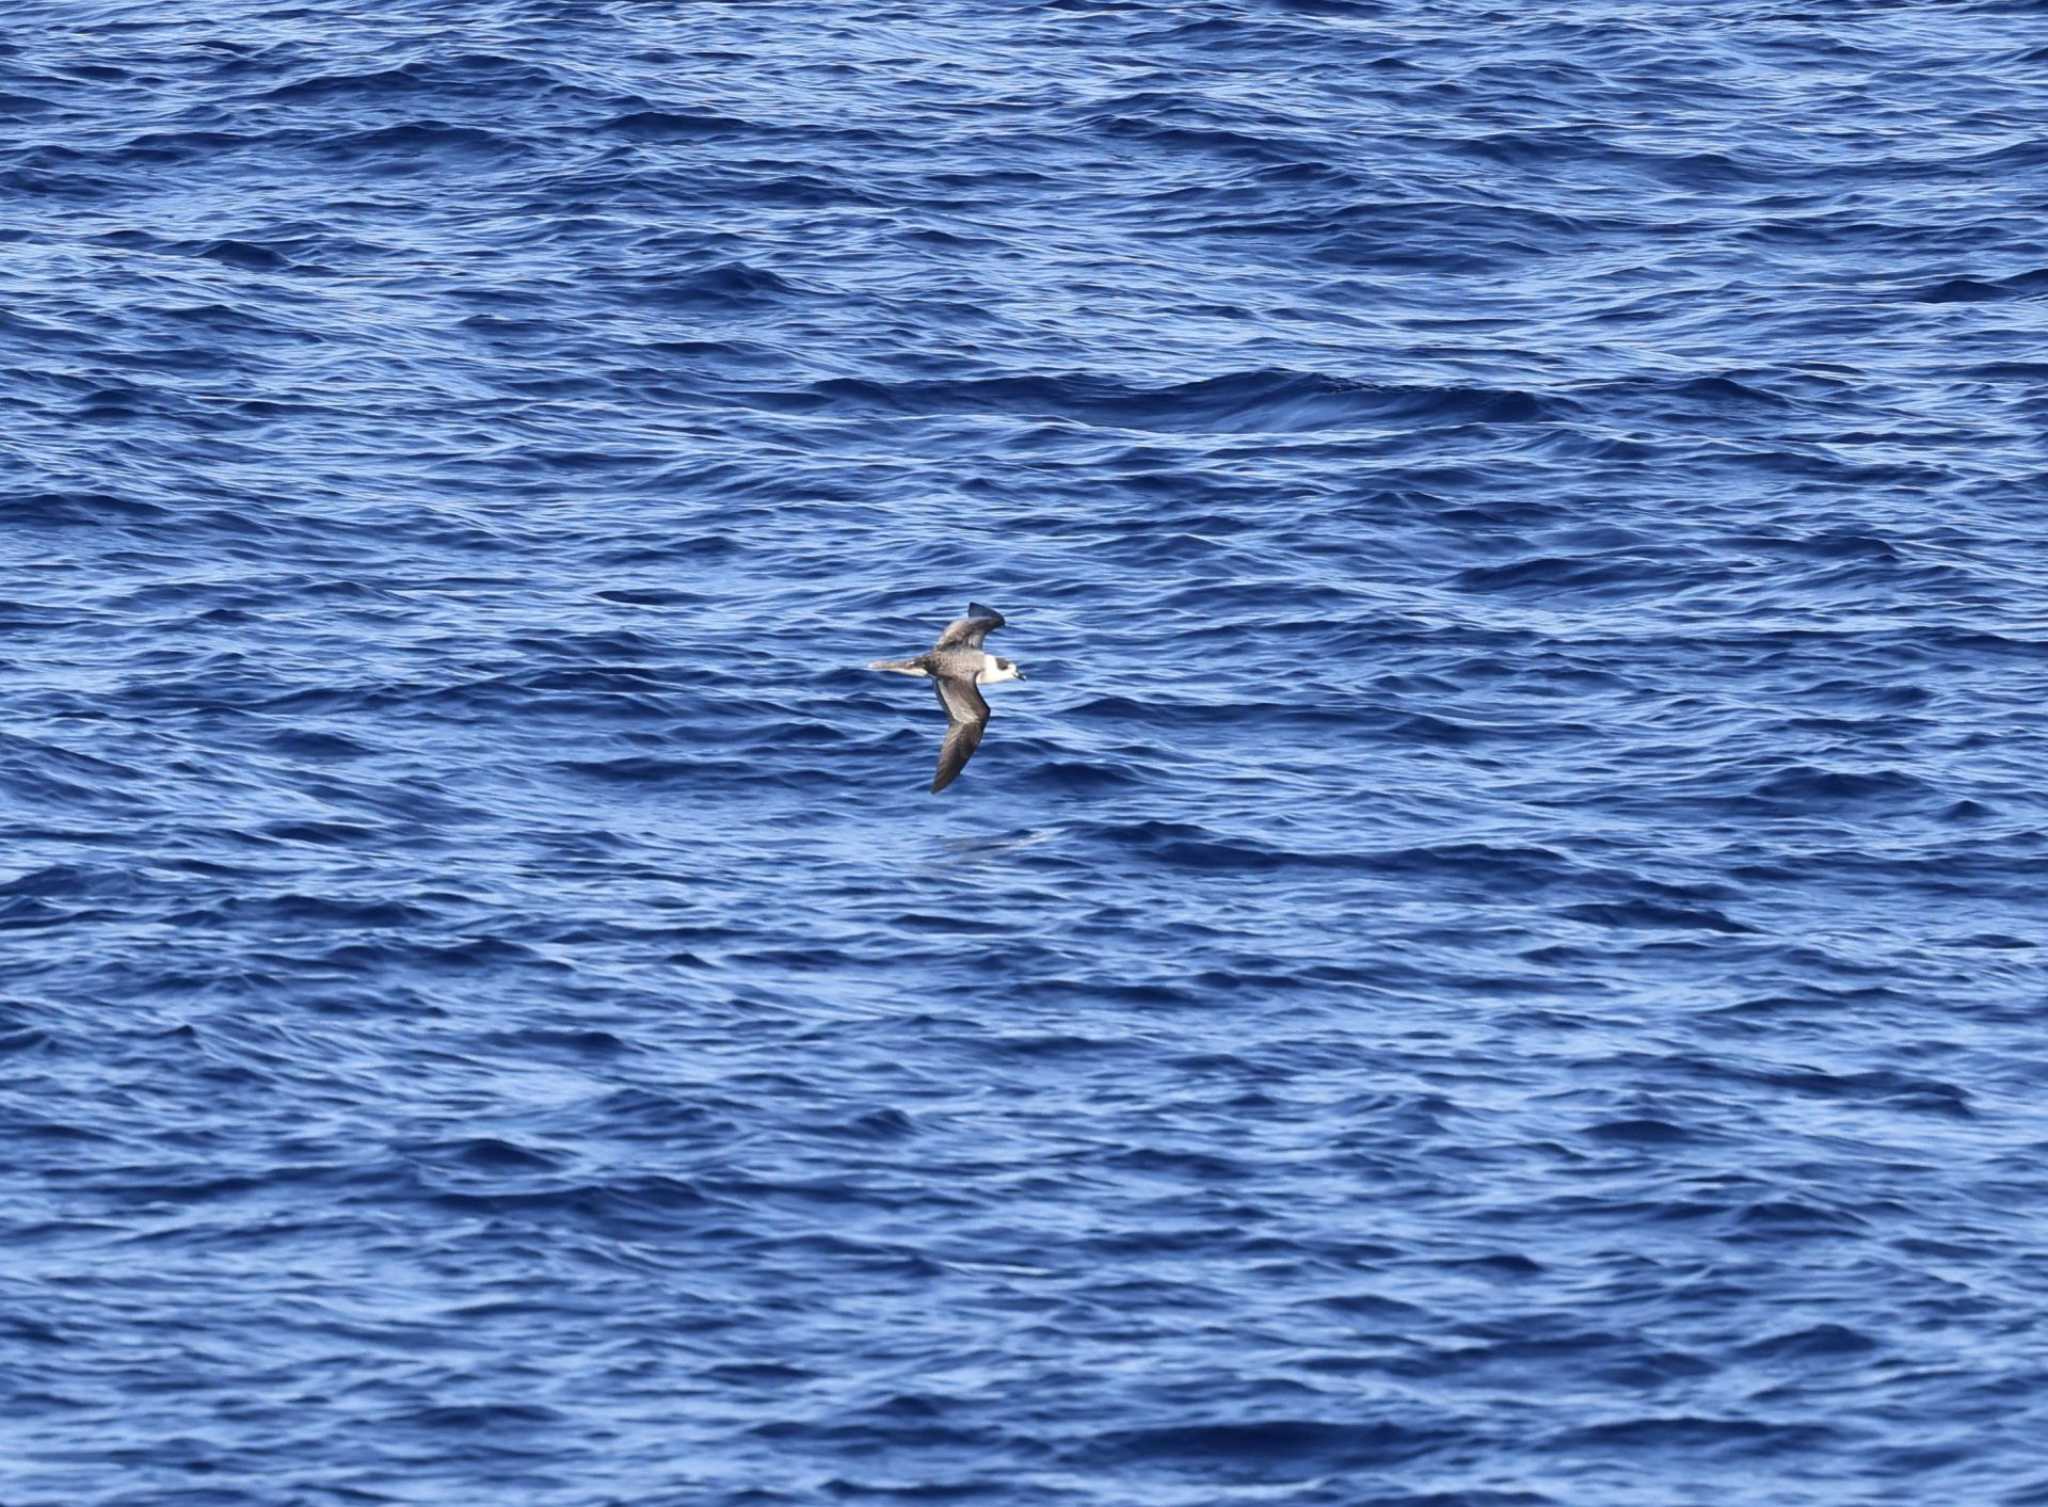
pixel 899 666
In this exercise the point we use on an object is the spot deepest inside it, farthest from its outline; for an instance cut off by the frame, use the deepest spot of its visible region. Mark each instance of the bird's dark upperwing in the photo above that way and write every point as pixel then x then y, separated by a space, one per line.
pixel 966 719
pixel 968 632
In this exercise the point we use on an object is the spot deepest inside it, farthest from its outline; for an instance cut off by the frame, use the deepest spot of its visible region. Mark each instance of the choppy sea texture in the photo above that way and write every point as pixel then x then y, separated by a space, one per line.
pixel 1494 962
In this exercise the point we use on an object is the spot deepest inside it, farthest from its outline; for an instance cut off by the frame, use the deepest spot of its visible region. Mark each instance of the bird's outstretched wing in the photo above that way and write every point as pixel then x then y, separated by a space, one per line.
pixel 968 632
pixel 966 719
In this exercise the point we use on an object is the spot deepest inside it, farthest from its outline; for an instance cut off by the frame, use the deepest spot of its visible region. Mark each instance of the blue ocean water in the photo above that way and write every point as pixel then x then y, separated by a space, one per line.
pixel 1494 961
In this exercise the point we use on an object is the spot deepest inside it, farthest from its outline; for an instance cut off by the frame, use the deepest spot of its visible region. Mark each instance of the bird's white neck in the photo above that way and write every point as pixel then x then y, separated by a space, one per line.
pixel 992 672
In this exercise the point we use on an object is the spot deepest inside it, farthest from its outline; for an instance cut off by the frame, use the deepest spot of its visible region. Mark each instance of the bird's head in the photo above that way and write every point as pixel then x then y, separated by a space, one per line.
pixel 998 670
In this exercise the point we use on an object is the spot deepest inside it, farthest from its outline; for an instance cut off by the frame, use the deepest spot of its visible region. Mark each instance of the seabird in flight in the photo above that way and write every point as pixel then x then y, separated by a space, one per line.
pixel 956 665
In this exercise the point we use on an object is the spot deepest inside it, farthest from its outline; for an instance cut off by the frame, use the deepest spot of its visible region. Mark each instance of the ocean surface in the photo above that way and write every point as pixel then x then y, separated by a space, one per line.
pixel 1494 961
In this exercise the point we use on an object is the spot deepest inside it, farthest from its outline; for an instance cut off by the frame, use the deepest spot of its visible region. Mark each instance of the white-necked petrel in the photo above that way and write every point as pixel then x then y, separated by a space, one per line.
pixel 956 665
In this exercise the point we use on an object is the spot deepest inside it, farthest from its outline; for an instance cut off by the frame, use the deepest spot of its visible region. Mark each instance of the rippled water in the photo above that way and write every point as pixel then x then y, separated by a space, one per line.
pixel 1494 960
